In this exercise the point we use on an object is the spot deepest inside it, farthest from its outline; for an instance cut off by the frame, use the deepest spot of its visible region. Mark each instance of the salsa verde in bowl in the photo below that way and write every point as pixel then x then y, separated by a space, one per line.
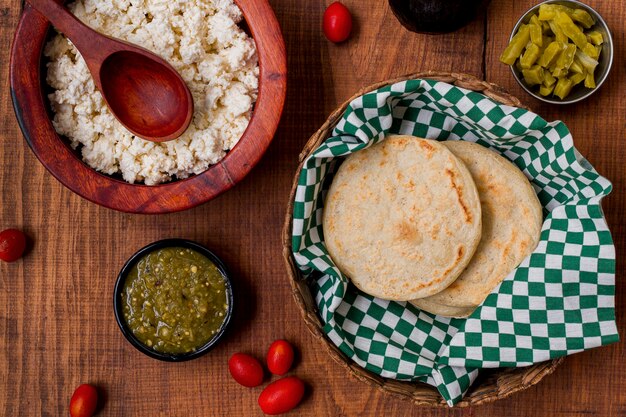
pixel 173 300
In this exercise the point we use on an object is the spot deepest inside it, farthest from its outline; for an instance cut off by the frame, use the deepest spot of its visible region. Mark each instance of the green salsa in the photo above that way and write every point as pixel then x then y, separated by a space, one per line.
pixel 174 300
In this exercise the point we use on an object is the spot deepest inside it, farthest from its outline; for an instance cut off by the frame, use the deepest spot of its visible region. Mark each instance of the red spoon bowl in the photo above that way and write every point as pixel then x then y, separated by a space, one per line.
pixel 29 90
pixel 166 104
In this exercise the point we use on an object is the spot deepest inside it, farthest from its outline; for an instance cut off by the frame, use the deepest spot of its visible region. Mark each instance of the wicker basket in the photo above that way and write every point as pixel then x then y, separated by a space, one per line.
pixel 491 384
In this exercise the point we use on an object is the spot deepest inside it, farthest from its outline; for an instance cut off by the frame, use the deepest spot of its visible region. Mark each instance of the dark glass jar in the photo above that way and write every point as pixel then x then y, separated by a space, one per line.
pixel 436 16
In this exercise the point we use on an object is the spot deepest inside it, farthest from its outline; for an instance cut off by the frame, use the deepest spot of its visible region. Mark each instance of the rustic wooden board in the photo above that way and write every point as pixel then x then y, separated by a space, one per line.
pixel 56 320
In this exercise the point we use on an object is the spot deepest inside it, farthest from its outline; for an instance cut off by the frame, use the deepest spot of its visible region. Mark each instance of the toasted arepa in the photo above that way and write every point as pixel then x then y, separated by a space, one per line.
pixel 511 222
pixel 402 218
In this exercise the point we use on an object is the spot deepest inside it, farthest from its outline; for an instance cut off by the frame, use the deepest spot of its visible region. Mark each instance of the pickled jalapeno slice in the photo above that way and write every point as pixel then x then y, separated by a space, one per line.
pixel 516 46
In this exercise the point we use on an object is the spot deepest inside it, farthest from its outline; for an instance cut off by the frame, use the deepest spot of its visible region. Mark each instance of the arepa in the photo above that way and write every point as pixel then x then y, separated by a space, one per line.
pixel 402 218
pixel 511 221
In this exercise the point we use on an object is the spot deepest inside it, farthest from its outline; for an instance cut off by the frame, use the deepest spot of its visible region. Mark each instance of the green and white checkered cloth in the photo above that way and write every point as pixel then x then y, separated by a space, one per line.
pixel 560 300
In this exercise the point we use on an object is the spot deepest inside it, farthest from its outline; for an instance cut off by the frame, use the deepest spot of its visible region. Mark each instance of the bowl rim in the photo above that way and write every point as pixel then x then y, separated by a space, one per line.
pixel 118 305
pixel 27 92
pixel 599 21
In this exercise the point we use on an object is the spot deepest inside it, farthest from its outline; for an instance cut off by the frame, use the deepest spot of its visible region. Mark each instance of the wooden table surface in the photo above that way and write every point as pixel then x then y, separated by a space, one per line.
pixel 57 328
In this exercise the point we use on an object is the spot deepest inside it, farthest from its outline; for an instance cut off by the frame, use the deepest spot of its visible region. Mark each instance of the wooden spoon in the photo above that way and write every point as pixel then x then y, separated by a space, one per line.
pixel 142 90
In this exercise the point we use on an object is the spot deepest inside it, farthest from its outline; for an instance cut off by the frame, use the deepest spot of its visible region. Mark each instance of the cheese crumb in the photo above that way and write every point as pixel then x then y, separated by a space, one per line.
pixel 201 39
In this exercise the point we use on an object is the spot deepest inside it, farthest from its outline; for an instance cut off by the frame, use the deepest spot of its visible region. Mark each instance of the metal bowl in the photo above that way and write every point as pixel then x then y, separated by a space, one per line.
pixel 579 92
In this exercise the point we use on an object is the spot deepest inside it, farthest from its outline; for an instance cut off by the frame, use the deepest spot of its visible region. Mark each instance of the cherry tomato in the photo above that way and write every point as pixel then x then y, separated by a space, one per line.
pixel 12 244
pixel 337 22
pixel 279 357
pixel 245 369
pixel 282 395
pixel 84 401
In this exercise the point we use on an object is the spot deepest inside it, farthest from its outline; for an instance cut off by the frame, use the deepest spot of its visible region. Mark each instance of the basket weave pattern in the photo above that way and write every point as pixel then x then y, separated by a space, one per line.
pixel 490 387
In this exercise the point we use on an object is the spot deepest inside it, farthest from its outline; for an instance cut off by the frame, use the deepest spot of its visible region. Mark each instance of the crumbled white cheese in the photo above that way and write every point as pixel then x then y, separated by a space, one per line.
pixel 201 39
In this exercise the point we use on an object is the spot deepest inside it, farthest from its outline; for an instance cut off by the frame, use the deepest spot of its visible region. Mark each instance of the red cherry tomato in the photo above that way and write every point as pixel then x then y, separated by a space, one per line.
pixel 279 357
pixel 245 369
pixel 12 244
pixel 337 22
pixel 282 395
pixel 84 401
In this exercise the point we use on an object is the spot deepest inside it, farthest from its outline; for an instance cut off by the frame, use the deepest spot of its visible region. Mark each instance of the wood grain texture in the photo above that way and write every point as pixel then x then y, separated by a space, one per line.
pixel 56 320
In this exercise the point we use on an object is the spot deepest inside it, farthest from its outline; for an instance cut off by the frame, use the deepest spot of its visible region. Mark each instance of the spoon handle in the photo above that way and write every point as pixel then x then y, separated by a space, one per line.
pixel 87 41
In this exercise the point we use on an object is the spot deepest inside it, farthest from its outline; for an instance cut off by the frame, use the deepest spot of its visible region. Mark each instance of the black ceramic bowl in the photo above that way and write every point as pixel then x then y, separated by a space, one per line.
pixel 118 305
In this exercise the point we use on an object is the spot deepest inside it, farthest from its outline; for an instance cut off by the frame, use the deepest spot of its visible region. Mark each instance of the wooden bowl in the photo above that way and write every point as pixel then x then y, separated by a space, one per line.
pixel 492 384
pixel 27 78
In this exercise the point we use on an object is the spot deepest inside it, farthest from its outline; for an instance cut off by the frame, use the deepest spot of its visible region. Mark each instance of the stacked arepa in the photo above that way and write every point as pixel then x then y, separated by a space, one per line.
pixel 439 224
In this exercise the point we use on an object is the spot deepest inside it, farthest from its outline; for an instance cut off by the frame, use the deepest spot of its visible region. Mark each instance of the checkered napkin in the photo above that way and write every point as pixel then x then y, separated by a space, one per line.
pixel 559 301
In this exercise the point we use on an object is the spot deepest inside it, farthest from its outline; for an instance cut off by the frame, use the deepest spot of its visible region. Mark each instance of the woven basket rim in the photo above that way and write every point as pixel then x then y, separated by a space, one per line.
pixel 502 382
